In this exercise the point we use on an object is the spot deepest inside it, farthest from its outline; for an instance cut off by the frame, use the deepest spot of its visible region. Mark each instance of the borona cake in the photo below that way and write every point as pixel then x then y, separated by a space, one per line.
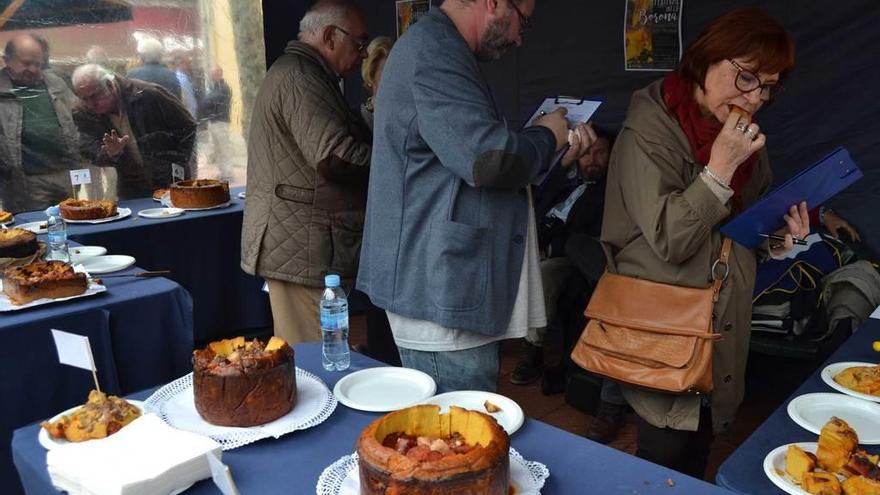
pixel 17 243
pixel 85 209
pixel 419 451
pixel 243 383
pixel 199 193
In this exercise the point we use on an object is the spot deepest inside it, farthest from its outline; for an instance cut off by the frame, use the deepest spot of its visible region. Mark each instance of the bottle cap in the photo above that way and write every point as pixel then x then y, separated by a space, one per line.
pixel 53 211
pixel 331 280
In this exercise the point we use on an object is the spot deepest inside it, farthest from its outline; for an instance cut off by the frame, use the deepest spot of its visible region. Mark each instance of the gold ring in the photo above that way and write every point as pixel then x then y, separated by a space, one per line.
pixel 751 133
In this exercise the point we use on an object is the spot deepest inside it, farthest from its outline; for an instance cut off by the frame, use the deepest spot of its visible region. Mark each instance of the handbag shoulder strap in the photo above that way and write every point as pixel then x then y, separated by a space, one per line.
pixel 720 268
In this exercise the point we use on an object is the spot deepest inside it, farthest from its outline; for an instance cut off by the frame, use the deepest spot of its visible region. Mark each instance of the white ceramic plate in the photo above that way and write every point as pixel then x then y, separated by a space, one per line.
pixel 831 370
pixel 35 227
pixel 9 222
pixel 161 212
pixel 510 417
pixel 49 442
pixel 120 214
pixel 384 389
pixel 812 411
pixel 341 477
pixel 242 195
pixel 79 253
pixel 107 264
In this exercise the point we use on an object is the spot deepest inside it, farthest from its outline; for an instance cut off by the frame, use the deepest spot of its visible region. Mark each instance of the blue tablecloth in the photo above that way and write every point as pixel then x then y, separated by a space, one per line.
pixel 203 251
pixel 743 471
pixel 292 464
pixel 140 332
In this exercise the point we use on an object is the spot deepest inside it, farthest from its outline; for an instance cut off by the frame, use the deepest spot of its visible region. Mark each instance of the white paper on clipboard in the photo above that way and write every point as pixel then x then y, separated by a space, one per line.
pixel 579 112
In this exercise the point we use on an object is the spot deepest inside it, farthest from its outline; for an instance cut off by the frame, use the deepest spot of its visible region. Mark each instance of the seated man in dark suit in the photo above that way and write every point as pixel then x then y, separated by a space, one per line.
pixel 569 210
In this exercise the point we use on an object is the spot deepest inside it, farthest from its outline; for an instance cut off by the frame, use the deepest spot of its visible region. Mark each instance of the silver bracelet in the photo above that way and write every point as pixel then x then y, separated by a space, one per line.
pixel 715 177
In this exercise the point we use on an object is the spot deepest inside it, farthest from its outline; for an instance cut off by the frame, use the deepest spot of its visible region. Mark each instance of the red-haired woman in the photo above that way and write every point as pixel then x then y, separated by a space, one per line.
pixel 684 163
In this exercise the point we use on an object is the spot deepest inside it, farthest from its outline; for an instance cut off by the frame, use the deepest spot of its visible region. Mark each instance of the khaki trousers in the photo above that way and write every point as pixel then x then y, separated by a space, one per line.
pixel 295 311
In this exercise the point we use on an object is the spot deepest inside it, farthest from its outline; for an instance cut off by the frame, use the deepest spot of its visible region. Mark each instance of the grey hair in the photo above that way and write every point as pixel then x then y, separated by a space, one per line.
pixel 91 72
pixel 324 13
pixel 151 50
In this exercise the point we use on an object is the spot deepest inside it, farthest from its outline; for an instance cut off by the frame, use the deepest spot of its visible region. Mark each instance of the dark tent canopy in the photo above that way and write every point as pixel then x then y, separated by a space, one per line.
pixel 36 14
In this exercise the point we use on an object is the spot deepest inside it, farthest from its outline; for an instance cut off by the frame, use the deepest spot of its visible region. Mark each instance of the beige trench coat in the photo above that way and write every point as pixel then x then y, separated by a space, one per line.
pixel 662 223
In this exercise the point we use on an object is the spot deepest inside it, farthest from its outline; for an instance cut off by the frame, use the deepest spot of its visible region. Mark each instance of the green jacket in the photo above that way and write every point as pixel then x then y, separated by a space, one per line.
pixel 661 223
pixel 308 164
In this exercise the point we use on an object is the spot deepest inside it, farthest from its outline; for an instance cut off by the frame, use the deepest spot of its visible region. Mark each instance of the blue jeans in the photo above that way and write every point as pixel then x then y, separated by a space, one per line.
pixel 470 369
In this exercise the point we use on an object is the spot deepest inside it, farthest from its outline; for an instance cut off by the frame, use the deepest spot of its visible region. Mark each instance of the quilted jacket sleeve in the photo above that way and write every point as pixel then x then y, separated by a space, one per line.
pixel 316 114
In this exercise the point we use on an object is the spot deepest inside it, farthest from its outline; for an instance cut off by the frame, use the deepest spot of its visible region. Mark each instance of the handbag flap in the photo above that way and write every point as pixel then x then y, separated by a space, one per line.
pixel 651 307
pixel 651 349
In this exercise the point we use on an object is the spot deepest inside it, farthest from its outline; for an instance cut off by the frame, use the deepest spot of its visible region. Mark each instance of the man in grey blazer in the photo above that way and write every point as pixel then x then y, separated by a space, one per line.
pixel 449 247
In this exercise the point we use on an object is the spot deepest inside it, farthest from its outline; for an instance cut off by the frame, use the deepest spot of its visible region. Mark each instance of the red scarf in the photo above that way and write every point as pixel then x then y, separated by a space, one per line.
pixel 701 130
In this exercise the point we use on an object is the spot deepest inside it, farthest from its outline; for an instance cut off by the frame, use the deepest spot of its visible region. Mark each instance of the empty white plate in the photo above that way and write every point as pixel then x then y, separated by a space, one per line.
pixel 510 417
pixel 107 264
pixel 384 389
pixel 812 411
pixel 830 371
pixel 35 227
pixel 161 212
pixel 79 253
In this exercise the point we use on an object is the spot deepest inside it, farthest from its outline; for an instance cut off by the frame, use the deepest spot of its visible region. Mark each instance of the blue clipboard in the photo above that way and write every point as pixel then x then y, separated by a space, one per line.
pixel 815 185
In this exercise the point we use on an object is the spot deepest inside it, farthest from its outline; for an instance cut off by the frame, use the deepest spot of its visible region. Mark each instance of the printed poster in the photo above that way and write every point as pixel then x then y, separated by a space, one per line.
pixel 408 12
pixel 652 34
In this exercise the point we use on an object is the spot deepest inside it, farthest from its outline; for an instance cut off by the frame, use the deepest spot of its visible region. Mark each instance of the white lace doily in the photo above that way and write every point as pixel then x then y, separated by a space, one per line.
pixel 341 477
pixel 174 403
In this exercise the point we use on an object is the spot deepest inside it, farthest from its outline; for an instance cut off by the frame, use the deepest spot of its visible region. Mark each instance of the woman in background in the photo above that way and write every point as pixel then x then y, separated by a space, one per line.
pixel 684 164
pixel 371 73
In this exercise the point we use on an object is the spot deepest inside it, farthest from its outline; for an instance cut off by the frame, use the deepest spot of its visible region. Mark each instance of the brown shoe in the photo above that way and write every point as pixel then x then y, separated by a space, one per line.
pixel 607 422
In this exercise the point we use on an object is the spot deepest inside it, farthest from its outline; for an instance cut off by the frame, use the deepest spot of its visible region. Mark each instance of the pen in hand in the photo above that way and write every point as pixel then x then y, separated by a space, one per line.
pixel 774 237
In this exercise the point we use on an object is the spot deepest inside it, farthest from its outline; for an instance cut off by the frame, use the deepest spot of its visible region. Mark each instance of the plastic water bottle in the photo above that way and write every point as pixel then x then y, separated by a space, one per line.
pixel 56 228
pixel 334 326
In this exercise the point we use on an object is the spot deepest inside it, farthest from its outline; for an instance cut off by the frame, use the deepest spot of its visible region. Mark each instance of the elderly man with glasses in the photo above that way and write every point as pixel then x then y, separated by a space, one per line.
pixel 308 164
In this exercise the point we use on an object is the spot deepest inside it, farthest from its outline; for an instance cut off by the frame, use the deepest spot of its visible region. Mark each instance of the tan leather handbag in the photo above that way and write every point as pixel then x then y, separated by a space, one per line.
pixel 651 334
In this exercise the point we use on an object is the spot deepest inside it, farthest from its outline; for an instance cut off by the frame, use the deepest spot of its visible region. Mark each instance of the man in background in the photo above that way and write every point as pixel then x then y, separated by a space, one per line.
pixel 214 112
pixel 39 144
pixel 150 51
pixel 308 164
pixel 134 126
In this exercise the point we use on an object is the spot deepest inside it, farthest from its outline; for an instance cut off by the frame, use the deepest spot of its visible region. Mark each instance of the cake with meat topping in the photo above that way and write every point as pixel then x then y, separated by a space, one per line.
pixel 199 193
pixel 42 279
pixel 244 383
pixel 419 451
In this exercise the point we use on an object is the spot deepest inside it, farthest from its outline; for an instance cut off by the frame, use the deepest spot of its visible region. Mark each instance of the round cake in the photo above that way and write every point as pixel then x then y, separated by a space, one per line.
pixel 239 383
pixel 199 193
pixel 85 209
pixel 17 243
pixel 158 193
pixel 419 451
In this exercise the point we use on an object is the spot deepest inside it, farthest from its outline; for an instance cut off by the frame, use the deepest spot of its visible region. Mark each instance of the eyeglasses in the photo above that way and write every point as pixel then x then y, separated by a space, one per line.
pixel 524 22
pixel 361 44
pixel 747 81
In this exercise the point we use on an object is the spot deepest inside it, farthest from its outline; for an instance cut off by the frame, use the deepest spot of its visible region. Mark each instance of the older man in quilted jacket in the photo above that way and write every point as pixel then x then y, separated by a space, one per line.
pixel 308 165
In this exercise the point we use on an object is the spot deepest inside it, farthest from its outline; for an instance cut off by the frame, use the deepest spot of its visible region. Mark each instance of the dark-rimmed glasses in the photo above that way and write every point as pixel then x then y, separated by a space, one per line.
pixel 361 45
pixel 747 81
pixel 524 22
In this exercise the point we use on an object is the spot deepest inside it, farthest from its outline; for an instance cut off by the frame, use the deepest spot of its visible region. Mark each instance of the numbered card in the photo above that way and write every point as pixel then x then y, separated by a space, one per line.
pixel 177 172
pixel 80 177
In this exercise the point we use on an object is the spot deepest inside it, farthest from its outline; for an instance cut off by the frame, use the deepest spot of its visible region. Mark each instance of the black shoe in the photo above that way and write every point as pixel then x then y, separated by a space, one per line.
pixel 607 422
pixel 554 380
pixel 528 369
